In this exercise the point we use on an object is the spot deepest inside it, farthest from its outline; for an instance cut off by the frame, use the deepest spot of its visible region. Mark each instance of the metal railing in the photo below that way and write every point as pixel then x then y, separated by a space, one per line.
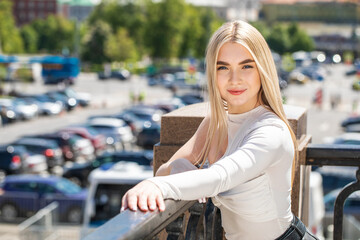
pixel 202 221
pixel 336 155
pixel 44 225
pixel 41 225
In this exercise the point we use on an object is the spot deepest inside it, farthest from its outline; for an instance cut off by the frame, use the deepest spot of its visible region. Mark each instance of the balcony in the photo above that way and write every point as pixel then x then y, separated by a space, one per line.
pixel 192 220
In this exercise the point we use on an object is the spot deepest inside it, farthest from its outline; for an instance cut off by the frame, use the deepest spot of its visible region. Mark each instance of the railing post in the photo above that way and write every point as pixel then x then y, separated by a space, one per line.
pixel 339 205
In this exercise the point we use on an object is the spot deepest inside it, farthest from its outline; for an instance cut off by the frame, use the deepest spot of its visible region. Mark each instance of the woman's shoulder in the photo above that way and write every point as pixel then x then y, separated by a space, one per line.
pixel 267 118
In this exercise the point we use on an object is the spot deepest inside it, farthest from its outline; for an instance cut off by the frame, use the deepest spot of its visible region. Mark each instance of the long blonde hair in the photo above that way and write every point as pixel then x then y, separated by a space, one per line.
pixel 269 94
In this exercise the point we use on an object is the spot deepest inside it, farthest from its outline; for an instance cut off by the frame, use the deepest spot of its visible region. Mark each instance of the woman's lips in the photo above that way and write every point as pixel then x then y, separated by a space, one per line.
pixel 236 92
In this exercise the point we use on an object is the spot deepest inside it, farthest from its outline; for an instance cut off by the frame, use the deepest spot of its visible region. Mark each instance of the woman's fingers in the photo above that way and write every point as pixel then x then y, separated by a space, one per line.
pixel 151 201
pixel 143 202
pixel 145 196
pixel 124 204
pixel 132 201
pixel 160 202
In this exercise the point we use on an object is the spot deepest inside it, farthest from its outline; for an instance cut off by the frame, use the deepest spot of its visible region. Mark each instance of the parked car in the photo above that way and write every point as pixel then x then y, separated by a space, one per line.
pixel 351 205
pixel 348 138
pixel 107 187
pixel 145 113
pixel 350 120
pixel 121 74
pixel 24 195
pixel 72 146
pixel 191 98
pixel 149 136
pixel 48 148
pixel 118 133
pixel 81 97
pixel 11 160
pixel 8 114
pixel 46 105
pixel 97 140
pixel 16 159
pixel 24 111
pixel 69 103
pixel 336 177
pixel 79 173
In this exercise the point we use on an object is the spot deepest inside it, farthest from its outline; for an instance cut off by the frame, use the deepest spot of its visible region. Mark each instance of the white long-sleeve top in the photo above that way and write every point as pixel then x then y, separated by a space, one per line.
pixel 251 183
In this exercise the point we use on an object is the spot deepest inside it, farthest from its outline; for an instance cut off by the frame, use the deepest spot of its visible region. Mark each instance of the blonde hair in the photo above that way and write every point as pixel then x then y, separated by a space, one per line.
pixel 269 94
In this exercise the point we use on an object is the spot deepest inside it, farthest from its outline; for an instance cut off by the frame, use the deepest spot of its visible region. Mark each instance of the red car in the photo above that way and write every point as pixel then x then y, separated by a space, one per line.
pixel 98 140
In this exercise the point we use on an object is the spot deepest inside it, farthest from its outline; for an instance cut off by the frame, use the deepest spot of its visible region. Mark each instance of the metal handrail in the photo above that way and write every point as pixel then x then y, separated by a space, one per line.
pixel 336 155
pixel 131 225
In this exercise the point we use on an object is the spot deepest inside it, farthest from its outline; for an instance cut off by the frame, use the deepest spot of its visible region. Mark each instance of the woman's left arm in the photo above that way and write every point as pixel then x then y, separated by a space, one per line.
pixel 263 147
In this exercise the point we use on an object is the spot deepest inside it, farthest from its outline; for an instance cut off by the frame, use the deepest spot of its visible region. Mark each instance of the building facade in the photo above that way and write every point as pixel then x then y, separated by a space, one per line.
pixel 247 10
pixel 26 11
pixel 329 11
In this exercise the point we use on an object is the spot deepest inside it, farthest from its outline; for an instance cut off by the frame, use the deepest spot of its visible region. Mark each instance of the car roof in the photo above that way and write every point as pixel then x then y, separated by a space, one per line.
pixel 36 141
pixel 31 177
pixel 120 173
pixel 349 136
pixel 148 154
pixel 114 122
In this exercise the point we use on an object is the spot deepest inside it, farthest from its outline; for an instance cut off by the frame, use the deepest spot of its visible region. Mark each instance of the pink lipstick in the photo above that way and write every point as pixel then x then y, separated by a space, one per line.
pixel 236 92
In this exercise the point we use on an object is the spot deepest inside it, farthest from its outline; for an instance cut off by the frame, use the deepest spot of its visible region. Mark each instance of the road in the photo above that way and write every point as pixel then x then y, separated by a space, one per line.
pixel 324 123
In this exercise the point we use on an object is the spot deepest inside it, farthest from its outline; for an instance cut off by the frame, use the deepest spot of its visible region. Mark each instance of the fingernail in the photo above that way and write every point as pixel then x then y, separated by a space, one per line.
pixel 122 209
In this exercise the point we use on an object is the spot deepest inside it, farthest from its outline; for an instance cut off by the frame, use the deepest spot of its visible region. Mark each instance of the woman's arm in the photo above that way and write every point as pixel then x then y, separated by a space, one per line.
pixel 190 150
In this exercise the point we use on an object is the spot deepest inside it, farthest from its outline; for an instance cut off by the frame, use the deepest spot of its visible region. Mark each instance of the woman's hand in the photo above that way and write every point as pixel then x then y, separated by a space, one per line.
pixel 145 195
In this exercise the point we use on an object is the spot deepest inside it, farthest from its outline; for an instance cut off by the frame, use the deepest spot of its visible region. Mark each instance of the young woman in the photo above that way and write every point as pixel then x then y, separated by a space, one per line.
pixel 241 155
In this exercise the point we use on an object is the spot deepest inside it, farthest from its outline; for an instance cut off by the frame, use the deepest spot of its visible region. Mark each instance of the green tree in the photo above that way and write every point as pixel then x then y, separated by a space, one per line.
pixel 55 33
pixel 30 39
pixel 278 39
pixel 164 28
pixel 127 15
pixel 193 31
pixel 10 39
pixel 299 39
pixel 93 44
pixel 210 22
pixel 120 47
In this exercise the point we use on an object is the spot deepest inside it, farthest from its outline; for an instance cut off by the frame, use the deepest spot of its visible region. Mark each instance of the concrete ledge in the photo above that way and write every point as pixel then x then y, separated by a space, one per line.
pixel 180 125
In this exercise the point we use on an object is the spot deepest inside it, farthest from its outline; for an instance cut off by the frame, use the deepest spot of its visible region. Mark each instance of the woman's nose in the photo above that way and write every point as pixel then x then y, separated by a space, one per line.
pixel 235 76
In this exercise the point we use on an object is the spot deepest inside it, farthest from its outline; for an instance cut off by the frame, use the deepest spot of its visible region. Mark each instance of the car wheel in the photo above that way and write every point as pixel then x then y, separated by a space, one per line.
pixel 74 215
pixel 9 212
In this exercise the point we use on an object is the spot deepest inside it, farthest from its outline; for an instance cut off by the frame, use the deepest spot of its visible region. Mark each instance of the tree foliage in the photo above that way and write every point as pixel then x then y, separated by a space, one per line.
pixel 10 39
pixel 94 41
pixel 55 33
pixel 284 38
pixel 30 39
pixel 120 47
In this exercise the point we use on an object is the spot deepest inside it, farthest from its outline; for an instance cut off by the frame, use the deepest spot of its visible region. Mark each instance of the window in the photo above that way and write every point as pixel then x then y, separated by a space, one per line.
pixel 46 188
pixel 22 187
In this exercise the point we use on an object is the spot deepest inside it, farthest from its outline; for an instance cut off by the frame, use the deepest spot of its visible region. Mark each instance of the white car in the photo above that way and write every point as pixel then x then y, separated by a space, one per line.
pixel 117 132
pixel 35 164
pixel 108 184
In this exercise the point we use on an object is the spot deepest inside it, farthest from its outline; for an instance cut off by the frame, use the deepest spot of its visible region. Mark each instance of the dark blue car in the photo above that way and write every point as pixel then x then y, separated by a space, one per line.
pixel 23 195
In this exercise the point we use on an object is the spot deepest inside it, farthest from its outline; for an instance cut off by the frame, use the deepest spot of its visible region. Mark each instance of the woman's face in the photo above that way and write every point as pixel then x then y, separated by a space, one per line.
pixel 238 78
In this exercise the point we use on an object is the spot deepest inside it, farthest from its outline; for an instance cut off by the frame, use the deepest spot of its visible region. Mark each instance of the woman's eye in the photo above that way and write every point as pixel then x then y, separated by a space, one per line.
pixel 222 68
pixel 247 66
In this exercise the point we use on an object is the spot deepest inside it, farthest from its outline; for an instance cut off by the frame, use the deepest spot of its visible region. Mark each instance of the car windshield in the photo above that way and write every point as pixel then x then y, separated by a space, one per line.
pixel 67 187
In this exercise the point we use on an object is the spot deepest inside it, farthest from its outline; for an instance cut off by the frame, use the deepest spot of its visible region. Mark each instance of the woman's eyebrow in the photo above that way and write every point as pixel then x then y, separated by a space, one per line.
pixel 240 63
